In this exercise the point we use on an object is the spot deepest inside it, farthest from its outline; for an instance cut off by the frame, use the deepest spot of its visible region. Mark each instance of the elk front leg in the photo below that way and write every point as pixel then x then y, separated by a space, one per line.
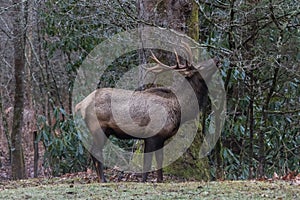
pixel 159 161
pixel 154 144
pixel 148 154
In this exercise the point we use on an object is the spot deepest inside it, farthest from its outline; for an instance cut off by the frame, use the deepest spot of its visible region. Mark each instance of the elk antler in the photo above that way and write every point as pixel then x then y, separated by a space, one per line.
pixel 160 67
pixel 188 49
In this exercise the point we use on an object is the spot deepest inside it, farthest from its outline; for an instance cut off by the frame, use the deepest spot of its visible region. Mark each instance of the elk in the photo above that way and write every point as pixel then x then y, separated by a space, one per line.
pixel 96 110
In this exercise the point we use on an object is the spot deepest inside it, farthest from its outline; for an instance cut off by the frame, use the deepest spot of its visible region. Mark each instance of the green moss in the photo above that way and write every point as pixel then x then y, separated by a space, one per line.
pixel 189 165
pixel 193 22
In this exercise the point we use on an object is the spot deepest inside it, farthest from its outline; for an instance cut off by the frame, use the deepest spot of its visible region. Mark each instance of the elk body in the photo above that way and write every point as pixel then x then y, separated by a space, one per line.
pixel 96 110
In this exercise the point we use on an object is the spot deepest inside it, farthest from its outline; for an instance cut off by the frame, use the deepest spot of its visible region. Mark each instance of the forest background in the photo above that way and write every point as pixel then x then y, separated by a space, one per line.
pixel 257 43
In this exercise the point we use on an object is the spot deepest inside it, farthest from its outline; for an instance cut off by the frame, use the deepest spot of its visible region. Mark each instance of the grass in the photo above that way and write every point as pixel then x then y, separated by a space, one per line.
pixel 57 189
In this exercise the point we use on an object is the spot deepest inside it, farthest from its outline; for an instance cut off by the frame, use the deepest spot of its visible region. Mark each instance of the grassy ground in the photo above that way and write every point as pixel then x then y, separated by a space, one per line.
pixel 74 189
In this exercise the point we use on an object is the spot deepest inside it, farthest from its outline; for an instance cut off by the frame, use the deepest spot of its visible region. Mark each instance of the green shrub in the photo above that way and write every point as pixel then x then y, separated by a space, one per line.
pixel 64 152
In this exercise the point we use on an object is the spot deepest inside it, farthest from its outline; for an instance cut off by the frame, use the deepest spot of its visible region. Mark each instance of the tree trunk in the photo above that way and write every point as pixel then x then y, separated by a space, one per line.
pixel 5 125
pixel 17 162
pixel 182 16
pixel 251 124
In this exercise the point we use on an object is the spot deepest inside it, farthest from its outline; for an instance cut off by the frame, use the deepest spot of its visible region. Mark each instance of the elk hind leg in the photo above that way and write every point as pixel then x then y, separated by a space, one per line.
pixel 99 170
pixel 96 149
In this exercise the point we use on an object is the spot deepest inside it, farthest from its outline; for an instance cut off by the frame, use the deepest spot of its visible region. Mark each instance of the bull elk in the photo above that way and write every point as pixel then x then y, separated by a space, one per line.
pixel 96 110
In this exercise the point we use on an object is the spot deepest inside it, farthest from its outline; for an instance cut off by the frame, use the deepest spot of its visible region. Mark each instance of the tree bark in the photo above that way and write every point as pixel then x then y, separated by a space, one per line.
pixel 182 16
pixel 17 162
pixel 251 124
pixel 5 125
